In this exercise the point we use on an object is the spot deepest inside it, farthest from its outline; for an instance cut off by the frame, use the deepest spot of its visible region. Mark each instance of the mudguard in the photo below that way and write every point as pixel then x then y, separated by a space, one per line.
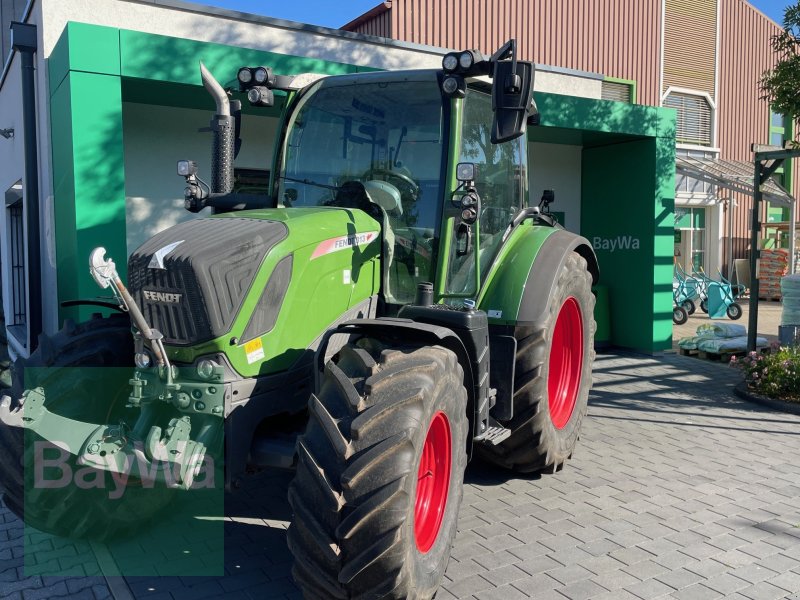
pixel 545 268
pixel 524 273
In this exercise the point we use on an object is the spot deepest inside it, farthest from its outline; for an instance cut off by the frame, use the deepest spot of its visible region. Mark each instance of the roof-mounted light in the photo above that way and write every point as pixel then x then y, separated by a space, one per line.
pixel 450 62
pixel 454 86
pixel 260 75
pixel 245 76
pixel 260 96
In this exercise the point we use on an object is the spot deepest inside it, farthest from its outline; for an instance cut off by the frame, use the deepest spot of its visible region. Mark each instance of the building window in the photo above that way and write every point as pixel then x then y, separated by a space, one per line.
pixel 17 318
pixel 688 185
pixel 694 123
pixel 619 91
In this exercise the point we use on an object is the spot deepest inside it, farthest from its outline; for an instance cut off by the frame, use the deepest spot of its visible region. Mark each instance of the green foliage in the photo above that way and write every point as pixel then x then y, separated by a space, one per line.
pixel 780 84
pixel 774 375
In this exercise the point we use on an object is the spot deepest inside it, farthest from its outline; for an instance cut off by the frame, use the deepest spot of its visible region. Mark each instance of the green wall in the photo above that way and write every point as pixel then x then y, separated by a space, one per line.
pixel 627 207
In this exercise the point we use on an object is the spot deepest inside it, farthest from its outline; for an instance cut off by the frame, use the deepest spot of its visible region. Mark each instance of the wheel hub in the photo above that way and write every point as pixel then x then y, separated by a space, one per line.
pixel 566 363
pixel 433 482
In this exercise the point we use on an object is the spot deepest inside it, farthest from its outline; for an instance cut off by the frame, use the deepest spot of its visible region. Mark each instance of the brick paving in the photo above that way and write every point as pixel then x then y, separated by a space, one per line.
pixel 677 490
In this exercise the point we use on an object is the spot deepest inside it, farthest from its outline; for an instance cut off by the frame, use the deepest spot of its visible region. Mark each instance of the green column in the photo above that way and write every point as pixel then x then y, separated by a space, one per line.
pixel 88 167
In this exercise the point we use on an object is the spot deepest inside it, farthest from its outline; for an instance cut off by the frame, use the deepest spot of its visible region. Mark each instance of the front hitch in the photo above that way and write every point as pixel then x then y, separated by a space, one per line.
pixel 171 457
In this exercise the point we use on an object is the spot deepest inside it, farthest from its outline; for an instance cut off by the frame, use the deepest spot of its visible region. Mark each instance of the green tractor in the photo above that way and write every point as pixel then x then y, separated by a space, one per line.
pixel 393 307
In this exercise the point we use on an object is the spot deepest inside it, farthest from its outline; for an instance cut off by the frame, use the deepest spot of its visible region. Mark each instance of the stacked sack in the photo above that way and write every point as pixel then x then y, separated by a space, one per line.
pixel 790 288
pixel 718 338
pixel 774 265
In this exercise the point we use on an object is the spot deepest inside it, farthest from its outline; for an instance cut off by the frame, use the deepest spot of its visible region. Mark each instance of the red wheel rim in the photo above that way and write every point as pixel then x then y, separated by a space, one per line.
pixel 433 482
pixel 566 363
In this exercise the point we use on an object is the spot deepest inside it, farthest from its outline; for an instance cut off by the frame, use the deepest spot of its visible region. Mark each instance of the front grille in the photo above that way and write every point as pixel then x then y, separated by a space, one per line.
pixel 211 270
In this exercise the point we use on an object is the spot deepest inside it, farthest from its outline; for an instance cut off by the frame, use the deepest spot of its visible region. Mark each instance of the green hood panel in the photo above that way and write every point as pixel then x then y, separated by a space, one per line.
pixel 335 265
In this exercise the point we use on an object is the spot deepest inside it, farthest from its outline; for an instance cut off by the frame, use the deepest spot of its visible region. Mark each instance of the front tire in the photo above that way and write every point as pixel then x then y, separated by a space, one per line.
pixel 679 315
pixel 690 306
pixel 380 472
pixel 553 375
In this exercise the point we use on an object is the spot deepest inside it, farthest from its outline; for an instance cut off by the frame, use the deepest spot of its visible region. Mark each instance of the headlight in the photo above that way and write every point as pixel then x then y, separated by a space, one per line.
pixel 142 360
pixel 205 368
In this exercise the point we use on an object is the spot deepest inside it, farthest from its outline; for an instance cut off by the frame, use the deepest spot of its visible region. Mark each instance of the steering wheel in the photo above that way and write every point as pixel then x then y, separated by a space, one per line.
pixel 410 188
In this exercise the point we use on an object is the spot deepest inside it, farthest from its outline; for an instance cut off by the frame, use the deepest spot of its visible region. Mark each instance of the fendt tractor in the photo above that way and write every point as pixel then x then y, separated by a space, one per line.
pixel 390 308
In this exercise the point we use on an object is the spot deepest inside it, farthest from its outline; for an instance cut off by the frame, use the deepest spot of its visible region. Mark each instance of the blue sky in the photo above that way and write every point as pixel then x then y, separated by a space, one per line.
pixel 335 14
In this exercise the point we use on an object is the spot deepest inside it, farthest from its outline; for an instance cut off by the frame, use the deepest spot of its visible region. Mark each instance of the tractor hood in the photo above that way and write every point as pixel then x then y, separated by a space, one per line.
pixel 190 280
pixel 256 284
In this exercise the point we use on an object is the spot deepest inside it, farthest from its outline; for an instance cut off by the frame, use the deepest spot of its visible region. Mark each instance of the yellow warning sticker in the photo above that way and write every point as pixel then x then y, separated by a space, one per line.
pixel 254 350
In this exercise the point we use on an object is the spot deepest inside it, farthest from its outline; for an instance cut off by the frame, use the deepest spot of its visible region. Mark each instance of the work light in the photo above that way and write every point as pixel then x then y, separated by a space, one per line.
pixel 260 96
pixel 244 76
pixel 260 75
pixel 186 168
pixel 450 62
pixel 466 60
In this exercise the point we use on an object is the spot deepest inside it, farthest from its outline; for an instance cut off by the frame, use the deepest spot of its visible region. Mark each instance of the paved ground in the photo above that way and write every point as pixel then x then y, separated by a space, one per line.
pixel 677 490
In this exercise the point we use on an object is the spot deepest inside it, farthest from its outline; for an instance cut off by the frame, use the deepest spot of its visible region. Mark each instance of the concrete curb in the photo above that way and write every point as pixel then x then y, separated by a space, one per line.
pixel 742 392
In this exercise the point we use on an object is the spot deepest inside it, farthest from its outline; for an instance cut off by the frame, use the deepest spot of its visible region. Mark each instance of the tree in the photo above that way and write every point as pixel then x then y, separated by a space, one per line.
pixel 781 84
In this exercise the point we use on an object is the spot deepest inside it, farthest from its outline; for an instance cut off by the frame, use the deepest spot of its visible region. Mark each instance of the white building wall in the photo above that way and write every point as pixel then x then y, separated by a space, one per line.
pixel 163 20
pixel 153 190
pixel 557 167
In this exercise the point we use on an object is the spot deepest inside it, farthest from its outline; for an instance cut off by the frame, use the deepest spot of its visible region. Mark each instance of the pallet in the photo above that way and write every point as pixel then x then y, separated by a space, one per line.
pixel 724 357
pixel 770 298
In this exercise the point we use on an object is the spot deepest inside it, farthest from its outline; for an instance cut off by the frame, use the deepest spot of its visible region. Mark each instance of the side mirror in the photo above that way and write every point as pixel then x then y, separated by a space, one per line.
pixel 511 97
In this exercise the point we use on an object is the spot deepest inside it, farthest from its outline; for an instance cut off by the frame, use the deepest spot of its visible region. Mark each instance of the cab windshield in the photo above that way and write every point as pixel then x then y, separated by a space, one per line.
pixel 385 132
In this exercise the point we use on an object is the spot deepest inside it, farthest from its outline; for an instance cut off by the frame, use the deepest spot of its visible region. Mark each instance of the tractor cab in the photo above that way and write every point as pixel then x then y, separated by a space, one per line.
pixel 389 143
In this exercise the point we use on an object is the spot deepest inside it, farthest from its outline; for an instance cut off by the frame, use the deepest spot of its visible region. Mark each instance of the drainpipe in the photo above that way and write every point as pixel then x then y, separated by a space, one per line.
pixel 23 40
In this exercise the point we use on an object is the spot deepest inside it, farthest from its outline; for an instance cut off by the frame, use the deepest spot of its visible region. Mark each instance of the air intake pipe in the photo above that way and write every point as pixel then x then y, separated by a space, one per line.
pixel 223 127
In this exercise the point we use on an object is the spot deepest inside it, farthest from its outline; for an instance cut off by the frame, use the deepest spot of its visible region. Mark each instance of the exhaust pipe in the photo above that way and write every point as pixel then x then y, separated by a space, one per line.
pixel 222 124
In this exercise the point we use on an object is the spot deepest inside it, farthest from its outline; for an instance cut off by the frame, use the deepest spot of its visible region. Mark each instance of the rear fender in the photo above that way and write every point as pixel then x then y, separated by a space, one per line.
pixel 544 271
pixel 525 273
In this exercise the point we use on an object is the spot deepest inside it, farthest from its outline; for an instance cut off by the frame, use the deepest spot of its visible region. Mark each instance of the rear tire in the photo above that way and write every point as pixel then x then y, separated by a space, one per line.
pixel 380 472
pixel 679 315
pixel 75 392
pixel 734 311
pixel 553 376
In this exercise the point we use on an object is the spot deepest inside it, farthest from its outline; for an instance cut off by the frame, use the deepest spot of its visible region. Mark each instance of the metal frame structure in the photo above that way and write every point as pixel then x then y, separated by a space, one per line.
pixel 766 162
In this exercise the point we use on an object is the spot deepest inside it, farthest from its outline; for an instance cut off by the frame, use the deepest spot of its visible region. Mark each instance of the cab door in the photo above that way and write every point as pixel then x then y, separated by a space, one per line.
pixel 502 185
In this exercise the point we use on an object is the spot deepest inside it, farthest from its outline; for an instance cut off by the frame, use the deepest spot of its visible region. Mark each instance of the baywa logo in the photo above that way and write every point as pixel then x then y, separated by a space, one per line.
pixel 621 242
pixel 55 467
pixel 166 297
